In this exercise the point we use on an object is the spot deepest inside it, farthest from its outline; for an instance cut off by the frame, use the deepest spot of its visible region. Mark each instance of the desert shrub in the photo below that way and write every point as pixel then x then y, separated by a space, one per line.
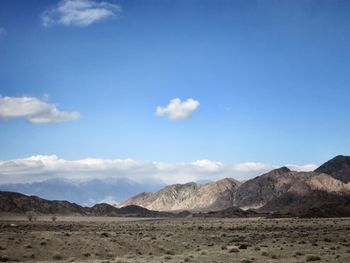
pixel 245 260
pixel 312 258
pixel 4 258
pixel 233 250
pixel 57 256
pixel 104 234
pixel 53 218
pixel 264 253
pixel 243 246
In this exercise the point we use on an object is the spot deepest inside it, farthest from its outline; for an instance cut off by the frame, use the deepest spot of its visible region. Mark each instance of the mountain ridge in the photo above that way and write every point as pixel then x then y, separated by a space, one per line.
pixel 262 193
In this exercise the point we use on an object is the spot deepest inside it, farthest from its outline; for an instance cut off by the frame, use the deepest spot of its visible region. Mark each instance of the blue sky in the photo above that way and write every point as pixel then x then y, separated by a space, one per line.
pixel 271 79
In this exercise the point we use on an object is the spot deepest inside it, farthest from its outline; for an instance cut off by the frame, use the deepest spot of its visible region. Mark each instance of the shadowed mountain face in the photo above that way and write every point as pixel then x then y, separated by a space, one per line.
pixel 191 196
pixel 338 167
pixel 15 203
pixel 85 193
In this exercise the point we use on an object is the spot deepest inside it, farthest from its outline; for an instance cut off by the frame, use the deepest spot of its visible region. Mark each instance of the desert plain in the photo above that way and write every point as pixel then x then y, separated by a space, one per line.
pixel 84 239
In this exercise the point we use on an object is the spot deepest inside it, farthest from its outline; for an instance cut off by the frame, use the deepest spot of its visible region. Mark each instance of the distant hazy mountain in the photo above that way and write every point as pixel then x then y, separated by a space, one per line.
pixel 84 193
pixel 191 196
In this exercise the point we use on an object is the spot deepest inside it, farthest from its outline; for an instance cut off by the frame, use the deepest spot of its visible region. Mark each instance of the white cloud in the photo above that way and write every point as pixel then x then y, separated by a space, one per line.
pixel 41 167
pixel 253 166
pixel 207 165
pixel 305 167
pixel 78 13
pixel 34 110
pixel 177 109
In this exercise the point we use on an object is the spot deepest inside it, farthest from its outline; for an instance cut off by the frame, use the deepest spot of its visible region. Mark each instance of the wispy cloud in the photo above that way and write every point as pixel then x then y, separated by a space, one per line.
pixel 43 167
pixel 78 13
pixel 177 109
pixel 34 110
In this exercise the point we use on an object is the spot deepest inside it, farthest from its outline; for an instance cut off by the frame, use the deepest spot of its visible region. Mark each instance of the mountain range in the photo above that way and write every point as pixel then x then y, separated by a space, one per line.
pixel 324 192
pixel 278 191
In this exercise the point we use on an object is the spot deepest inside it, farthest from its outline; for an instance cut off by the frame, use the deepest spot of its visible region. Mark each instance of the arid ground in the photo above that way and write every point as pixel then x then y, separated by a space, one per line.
pixel 71 239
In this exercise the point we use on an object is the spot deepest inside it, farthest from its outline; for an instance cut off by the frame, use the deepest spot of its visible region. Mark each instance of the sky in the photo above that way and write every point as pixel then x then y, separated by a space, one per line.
pixel 175 90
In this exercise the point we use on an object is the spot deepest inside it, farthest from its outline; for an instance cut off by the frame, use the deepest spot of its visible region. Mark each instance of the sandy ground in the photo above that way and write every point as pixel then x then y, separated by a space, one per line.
pixel 175 240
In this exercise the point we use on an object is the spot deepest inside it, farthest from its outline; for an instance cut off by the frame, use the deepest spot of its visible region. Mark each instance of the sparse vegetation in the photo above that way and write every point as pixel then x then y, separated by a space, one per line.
pixel 185 240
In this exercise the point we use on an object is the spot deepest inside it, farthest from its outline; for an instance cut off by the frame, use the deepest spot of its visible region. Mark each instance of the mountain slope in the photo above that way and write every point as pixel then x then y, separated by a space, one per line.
pixel 338 167
pixel 191 196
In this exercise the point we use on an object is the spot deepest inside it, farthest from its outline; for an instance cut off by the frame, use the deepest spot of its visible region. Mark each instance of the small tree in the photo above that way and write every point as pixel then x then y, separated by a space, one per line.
pixel 31 216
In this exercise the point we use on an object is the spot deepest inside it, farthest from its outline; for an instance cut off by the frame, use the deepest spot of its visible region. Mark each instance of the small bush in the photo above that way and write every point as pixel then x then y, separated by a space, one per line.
pixel 312 258
pixel 53 218
pixel 223 247
pixel 233 250
pixel 57 256
pixel 243 246
pixel 297 253
pixel 4 258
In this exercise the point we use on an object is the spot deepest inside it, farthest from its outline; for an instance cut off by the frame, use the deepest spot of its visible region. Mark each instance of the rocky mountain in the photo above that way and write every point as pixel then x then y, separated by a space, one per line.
pixel 16 203
pixel 191 196
pixel 311 191
pixel 338 167
pixel 85 193
pixel 280 190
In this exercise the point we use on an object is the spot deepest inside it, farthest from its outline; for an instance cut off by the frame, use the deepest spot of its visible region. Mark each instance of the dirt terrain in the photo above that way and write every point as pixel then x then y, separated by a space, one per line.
pixel 175 240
